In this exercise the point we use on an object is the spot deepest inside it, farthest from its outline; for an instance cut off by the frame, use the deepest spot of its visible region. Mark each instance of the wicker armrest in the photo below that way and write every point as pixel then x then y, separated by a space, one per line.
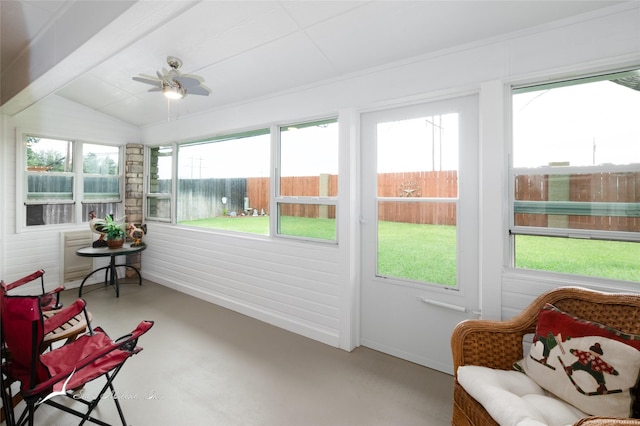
pixel 493 344
pixel 607 421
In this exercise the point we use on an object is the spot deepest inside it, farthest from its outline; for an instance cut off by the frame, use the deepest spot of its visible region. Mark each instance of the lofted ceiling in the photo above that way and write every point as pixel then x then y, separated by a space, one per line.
pixel 242 49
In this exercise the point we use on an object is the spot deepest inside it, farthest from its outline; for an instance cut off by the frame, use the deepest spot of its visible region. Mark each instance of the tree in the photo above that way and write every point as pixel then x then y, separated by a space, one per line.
pixel 51 159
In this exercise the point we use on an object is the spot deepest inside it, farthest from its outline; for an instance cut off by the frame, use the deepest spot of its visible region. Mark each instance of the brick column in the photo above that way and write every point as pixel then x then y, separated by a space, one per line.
pixel 133 183
pixel 134 191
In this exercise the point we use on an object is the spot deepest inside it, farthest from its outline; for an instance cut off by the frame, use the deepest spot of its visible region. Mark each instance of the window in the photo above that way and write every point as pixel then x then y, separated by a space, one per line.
pixel 159 183
pixel 417 197
pixel 575 176
pixel 101 178
pixel 307 190
pixel 65 180
pixel 223 183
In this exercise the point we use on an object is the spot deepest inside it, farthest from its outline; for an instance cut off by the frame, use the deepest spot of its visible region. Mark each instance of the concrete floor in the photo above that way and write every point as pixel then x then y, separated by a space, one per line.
pixel 206 365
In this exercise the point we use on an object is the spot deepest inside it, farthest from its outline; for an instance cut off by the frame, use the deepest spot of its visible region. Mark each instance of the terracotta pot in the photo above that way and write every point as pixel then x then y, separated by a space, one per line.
pixel 115 243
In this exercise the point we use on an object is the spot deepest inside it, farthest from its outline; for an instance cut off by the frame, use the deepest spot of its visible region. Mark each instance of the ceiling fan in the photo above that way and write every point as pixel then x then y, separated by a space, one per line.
pixel 172 83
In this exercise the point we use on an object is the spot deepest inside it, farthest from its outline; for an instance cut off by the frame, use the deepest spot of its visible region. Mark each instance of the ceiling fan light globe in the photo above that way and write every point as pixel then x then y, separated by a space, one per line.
pixel 173 92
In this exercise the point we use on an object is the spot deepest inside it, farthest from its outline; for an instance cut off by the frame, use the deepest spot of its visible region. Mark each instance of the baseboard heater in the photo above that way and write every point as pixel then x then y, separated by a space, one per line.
pixel 75 267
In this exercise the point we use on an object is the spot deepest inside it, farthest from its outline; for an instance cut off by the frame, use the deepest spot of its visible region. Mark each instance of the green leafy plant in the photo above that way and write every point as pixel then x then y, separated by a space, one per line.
pixel 114 230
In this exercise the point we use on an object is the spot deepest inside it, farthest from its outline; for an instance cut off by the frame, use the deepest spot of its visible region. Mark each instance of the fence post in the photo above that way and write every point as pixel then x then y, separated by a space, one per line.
pixel 558 191
pixel 323 212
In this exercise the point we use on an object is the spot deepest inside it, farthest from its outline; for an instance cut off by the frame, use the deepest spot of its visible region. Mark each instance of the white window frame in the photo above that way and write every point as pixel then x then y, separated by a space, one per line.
pixel 78 181
pixel 563 208
pixel 171 196
pixel 277 199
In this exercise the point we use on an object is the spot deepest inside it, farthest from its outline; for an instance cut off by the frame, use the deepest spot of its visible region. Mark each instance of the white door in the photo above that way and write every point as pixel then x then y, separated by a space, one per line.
pixel 419 228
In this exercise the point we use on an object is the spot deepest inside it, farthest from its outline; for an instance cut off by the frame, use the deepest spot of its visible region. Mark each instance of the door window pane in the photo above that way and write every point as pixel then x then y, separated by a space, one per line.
pixel 417 247
pixel 417 164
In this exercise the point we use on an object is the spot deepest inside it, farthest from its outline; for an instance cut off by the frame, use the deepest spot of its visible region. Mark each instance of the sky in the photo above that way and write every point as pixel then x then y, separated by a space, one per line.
pixel 564 124
pixel 418 144
pixel 308 151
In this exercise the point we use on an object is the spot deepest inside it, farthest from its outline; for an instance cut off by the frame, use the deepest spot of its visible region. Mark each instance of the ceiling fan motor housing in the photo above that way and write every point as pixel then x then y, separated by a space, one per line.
pixel 174 62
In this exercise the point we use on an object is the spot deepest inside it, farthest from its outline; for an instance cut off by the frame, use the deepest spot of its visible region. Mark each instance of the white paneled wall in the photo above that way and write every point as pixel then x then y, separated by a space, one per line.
pixel 292 285
pixel 39 247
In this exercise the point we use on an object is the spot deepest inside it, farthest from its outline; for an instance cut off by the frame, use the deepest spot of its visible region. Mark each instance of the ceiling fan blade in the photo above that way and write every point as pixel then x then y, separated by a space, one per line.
pixel 146 80
pixel 164 78
pixel 155 89
pixel 198 90
pixel 187 82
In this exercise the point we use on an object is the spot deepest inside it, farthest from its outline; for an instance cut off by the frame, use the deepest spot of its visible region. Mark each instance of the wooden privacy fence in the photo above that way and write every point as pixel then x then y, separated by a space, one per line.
pixel 602 201
pixel 302 186
pixel 204 198
pixel 434 184
pixel 200 198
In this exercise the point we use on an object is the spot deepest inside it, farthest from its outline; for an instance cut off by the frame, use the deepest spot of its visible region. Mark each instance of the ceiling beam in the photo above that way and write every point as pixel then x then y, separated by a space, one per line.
pixel 87 34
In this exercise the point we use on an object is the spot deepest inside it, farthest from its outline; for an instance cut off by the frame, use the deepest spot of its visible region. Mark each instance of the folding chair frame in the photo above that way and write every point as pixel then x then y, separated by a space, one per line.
pixel 50 299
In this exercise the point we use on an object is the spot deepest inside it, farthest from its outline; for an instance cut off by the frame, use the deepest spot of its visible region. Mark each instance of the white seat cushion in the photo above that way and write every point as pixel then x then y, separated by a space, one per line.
pixel 512 398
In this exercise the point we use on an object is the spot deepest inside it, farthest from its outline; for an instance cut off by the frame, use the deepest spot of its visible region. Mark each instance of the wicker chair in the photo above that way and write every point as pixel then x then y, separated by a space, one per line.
pixel 498 344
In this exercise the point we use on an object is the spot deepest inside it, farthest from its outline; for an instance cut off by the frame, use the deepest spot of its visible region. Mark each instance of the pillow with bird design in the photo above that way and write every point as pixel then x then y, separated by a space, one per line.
pixel 590 365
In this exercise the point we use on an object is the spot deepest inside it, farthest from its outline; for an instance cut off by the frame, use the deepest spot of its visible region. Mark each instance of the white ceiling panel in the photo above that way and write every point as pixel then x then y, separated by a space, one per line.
pixel 93 92
pixel 308 13
pixel 249 49
pixel 292 61
pixel 224 30
pixel 143 110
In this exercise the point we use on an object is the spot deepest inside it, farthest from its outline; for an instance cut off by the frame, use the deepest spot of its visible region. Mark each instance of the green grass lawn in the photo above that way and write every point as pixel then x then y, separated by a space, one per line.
pixel 253 225
pixel 417 252
pixel 428 252
pixel 610 259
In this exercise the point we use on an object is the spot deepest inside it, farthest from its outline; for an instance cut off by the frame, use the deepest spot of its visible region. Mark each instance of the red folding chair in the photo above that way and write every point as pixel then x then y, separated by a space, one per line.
pixel 50 299
pixel 62 369
pixel 50 305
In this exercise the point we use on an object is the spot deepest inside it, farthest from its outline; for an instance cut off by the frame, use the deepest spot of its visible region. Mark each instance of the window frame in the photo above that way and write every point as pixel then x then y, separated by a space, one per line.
pixel 225 137
pixel 275 199
pixel 550 207
pixel 77 173
pixel 148 194
pixel 278 199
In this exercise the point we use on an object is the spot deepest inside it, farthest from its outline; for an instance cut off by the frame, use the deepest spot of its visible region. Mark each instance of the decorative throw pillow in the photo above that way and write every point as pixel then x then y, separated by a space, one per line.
pixel 589 365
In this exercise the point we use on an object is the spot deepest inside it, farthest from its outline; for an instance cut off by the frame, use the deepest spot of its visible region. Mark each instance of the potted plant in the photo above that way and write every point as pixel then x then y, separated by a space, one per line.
pixel 114 232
